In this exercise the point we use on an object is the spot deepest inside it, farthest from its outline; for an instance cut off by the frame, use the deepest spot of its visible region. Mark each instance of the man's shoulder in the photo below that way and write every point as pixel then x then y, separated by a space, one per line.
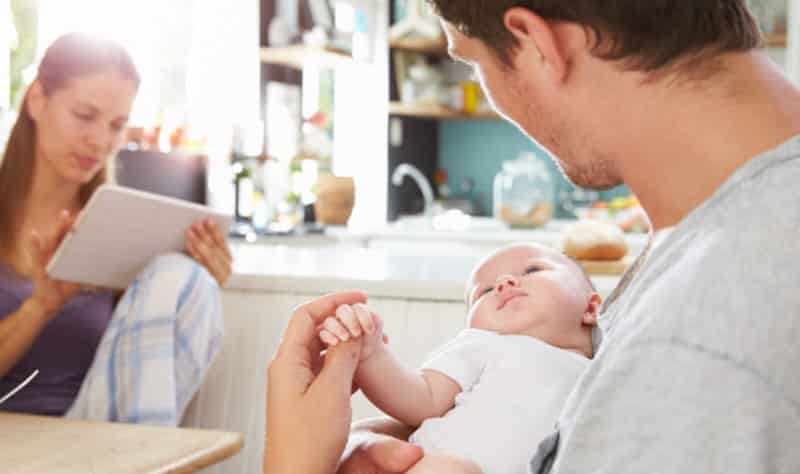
pixel 752 221
pixel 728 287
pixel 763 188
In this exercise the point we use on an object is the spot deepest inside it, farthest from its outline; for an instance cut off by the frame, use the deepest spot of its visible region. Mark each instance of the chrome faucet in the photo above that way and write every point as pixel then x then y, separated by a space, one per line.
pixel 403 170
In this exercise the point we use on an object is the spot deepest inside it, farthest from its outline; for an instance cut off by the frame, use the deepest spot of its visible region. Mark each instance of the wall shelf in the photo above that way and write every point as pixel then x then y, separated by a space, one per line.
pixel 437 47
pixel 298 56
pixel 437 112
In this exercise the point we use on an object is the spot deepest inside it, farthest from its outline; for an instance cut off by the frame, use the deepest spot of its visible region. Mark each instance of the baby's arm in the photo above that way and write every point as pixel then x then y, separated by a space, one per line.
pixel 406 395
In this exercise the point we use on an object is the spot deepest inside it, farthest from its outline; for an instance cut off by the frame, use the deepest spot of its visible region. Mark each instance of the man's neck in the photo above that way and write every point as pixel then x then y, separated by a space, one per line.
pixel 686 140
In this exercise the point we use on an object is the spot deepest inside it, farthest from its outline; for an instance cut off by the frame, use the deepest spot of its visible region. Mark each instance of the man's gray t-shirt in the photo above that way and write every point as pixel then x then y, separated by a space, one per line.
pixel 699 369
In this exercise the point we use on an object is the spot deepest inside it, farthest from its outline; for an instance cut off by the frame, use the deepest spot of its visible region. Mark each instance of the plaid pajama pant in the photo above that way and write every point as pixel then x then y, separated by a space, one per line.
pixel 159 344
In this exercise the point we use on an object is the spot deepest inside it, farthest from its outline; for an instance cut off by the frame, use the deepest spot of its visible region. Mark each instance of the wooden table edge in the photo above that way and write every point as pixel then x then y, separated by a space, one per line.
pixel 230 444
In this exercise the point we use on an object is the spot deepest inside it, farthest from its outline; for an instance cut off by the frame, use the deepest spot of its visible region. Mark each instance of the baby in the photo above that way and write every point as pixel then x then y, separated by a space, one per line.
pixel 486 399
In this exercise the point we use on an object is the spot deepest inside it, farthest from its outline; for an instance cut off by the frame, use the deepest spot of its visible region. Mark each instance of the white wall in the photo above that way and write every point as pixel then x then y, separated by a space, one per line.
pixel 223 82
pixel 6 32
pixel 793 46
pixel 361 109
pixel 198 60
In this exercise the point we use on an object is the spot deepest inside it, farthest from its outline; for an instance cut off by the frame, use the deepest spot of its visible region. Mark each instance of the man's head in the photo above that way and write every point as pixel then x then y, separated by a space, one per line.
pixel 533 290
pixel 562 70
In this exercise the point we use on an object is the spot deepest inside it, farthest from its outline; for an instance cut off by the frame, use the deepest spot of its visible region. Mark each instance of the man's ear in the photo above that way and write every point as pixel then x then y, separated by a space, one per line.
pixel 592 309
pixel 35 100
pixel 537 41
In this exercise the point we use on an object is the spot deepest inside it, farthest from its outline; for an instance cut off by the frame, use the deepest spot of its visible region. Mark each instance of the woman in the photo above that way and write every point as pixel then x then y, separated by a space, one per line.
pixel 142 358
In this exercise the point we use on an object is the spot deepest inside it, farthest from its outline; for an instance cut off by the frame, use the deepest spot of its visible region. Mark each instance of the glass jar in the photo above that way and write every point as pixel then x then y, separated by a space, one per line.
pixel 524 192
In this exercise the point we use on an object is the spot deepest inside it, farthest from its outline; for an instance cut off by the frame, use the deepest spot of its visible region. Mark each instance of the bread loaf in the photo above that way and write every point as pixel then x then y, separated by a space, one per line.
pixel 594 240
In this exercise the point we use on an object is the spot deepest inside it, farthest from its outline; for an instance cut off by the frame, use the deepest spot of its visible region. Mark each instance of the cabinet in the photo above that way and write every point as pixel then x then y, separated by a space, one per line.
pixel 299 56
pixel 436 49
pixel 414 129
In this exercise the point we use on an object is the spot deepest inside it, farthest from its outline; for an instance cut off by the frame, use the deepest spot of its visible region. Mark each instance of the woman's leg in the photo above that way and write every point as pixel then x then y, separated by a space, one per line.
pixel 159 344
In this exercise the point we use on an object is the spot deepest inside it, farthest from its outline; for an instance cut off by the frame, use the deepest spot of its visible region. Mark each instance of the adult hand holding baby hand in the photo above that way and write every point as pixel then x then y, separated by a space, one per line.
pixel 375 446
pixel 308 406
pixel 351 322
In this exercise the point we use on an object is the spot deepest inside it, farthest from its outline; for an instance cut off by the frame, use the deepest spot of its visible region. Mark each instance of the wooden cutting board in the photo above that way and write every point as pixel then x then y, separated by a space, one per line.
pixel 606 267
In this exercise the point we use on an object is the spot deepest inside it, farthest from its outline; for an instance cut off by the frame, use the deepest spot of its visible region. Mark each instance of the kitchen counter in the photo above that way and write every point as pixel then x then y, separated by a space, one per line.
pixel 485 232
pixel 380 273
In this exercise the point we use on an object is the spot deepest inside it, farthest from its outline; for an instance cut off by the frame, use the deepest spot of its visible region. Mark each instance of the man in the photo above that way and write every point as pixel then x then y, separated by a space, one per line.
pixel 696 371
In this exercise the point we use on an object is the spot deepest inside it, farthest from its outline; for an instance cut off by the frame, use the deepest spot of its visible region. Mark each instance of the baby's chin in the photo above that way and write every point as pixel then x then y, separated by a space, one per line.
pixel 483 325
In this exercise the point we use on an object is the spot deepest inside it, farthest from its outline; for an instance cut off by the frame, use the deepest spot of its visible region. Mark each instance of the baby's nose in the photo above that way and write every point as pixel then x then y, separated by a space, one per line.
pixel 506 281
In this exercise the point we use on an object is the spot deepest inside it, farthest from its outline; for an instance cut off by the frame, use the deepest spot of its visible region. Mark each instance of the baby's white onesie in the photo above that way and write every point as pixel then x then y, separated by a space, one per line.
pixel 513 390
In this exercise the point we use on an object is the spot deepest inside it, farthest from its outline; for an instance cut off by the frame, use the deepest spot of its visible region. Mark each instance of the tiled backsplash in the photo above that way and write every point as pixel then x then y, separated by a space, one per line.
pixel 476 149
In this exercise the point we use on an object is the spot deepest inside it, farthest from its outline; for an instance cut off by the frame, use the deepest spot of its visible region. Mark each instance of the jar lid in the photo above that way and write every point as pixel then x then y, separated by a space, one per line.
pixel 527 162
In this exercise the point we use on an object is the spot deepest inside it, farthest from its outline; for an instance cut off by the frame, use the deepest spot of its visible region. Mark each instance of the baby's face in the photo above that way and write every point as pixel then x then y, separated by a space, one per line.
pixel 531 290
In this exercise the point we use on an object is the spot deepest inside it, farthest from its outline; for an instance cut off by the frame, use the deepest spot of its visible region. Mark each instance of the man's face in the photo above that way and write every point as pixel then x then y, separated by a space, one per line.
pixel 543 111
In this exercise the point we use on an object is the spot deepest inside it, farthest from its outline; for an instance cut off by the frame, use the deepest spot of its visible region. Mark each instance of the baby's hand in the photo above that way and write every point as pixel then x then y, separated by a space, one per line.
pixel 354 321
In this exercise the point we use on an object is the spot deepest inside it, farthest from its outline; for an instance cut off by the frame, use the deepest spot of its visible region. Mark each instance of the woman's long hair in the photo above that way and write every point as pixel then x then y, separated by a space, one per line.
pixel 70 56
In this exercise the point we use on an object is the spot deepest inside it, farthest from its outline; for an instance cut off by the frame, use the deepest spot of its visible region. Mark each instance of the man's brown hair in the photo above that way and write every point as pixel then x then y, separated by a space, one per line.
pixel 644 34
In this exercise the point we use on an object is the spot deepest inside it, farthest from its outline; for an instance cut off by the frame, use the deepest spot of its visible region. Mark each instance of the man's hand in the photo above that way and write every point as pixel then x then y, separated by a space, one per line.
pixel 308 403
pixel 378 447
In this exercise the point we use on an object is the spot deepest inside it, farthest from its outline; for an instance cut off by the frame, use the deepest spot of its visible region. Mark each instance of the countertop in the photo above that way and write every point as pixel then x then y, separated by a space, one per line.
pixel 485 230
pixel 317 269
pixel 483 235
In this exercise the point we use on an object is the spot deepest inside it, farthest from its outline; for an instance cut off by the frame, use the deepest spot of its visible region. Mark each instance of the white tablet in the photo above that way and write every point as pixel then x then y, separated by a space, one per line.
pixel 120 230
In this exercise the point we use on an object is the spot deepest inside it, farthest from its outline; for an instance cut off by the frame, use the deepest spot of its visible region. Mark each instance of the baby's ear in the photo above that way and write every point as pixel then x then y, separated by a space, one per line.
pixel 592 309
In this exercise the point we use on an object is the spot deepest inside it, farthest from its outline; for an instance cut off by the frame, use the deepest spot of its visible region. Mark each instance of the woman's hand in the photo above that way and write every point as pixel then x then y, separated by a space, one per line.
pixel 49 294
pixel 206 243
pixel 308 402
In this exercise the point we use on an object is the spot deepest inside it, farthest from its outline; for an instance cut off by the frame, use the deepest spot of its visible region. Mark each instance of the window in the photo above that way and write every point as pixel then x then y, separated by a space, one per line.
pixel 198 60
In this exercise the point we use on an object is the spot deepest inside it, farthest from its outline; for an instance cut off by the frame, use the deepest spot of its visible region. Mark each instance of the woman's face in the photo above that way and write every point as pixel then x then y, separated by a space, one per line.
pixel 80 126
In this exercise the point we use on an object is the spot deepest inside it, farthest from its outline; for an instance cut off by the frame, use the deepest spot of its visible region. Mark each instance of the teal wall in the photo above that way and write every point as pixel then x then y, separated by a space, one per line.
pixel 476 150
